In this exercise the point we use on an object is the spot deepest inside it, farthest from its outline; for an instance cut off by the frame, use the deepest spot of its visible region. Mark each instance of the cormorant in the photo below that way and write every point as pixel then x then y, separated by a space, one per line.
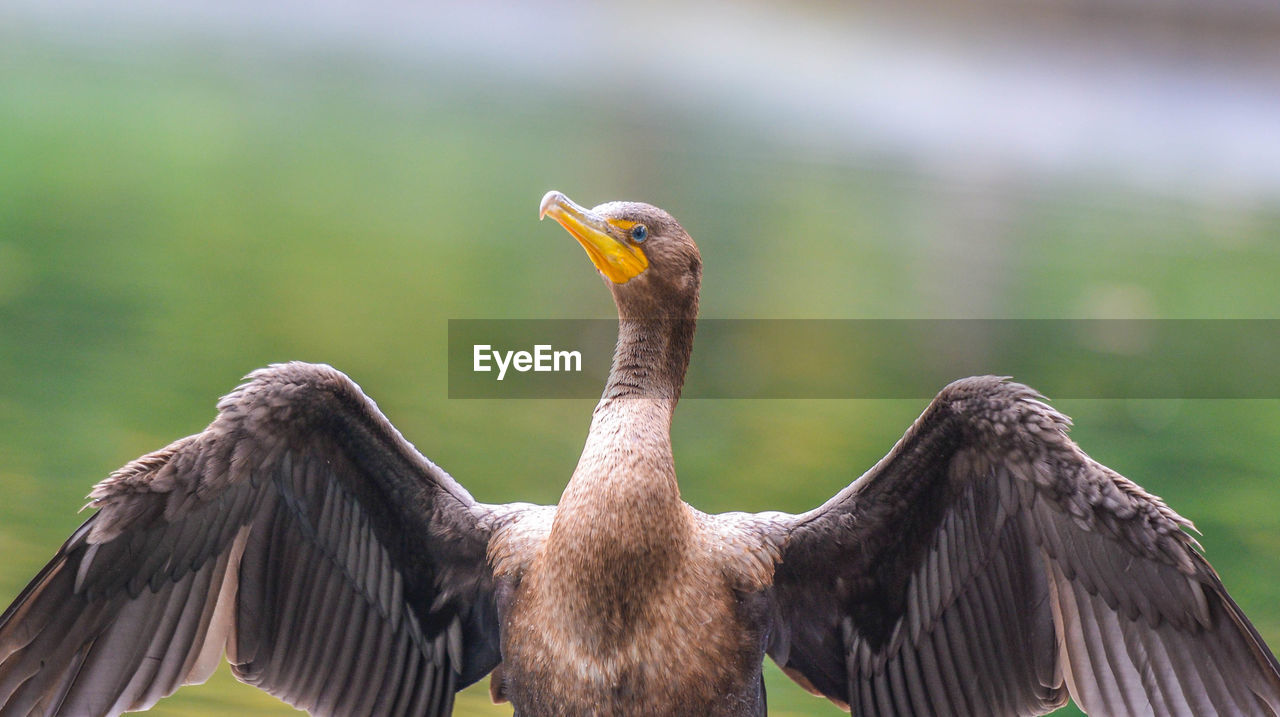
pixel 986 566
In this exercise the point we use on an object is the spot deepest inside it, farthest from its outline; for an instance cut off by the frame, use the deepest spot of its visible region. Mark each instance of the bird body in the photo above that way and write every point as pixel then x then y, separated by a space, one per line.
pixel 630 603
pixel 660 629
pixel 985 566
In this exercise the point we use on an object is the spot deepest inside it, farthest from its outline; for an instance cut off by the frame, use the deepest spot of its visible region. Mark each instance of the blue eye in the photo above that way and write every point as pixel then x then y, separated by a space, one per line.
pixel 639 233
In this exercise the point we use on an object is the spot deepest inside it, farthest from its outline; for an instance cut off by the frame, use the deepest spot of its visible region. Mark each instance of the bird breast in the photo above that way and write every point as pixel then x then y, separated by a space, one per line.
pixel 678 645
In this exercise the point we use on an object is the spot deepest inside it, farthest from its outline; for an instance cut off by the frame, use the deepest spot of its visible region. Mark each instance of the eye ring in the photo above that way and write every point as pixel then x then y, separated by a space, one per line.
pixel 639 233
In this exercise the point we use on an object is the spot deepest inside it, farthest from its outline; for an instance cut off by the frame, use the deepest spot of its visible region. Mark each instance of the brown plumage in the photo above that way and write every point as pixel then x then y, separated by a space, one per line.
pixel 986 566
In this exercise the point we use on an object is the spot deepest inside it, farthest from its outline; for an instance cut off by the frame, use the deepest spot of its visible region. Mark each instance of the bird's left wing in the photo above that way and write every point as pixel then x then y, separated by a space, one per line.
pixel 338 568
pixel 987 566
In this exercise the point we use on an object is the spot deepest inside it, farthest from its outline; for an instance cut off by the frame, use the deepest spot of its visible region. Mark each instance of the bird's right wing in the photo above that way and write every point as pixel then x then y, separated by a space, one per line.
pixel 300 533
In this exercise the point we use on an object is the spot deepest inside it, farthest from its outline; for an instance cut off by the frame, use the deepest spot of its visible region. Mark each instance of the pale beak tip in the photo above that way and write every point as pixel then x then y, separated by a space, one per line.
pixel 549 200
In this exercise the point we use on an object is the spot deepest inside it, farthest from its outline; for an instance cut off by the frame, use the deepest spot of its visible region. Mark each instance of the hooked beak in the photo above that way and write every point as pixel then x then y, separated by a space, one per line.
pixel 619 261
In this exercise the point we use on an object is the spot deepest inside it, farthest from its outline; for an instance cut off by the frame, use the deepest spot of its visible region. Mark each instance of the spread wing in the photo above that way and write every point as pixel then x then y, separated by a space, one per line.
pixel 987 566
pixel 339 569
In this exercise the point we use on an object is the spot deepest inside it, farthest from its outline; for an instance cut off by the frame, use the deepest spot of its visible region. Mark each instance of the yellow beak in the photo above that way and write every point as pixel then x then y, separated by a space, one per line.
pixel 618 260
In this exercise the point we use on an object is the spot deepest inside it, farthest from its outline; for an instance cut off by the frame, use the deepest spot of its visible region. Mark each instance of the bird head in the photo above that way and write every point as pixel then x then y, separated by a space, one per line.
pixel 647 259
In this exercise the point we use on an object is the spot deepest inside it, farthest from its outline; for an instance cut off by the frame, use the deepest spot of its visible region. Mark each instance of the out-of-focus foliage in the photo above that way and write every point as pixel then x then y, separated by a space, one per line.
pixel 169 222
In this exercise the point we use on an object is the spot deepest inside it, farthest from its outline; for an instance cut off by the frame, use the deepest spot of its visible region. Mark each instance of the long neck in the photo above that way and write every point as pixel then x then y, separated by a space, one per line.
pixel 620 526
pixel 651 358
pixel 626 467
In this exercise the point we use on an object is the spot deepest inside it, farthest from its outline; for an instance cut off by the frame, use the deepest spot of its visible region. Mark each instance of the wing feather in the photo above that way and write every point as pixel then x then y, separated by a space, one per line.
pixel 299 533
pixel 987 566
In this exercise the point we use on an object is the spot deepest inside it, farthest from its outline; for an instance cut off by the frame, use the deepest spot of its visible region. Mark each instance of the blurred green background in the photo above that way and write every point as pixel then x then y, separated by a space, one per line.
pixel 191 191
